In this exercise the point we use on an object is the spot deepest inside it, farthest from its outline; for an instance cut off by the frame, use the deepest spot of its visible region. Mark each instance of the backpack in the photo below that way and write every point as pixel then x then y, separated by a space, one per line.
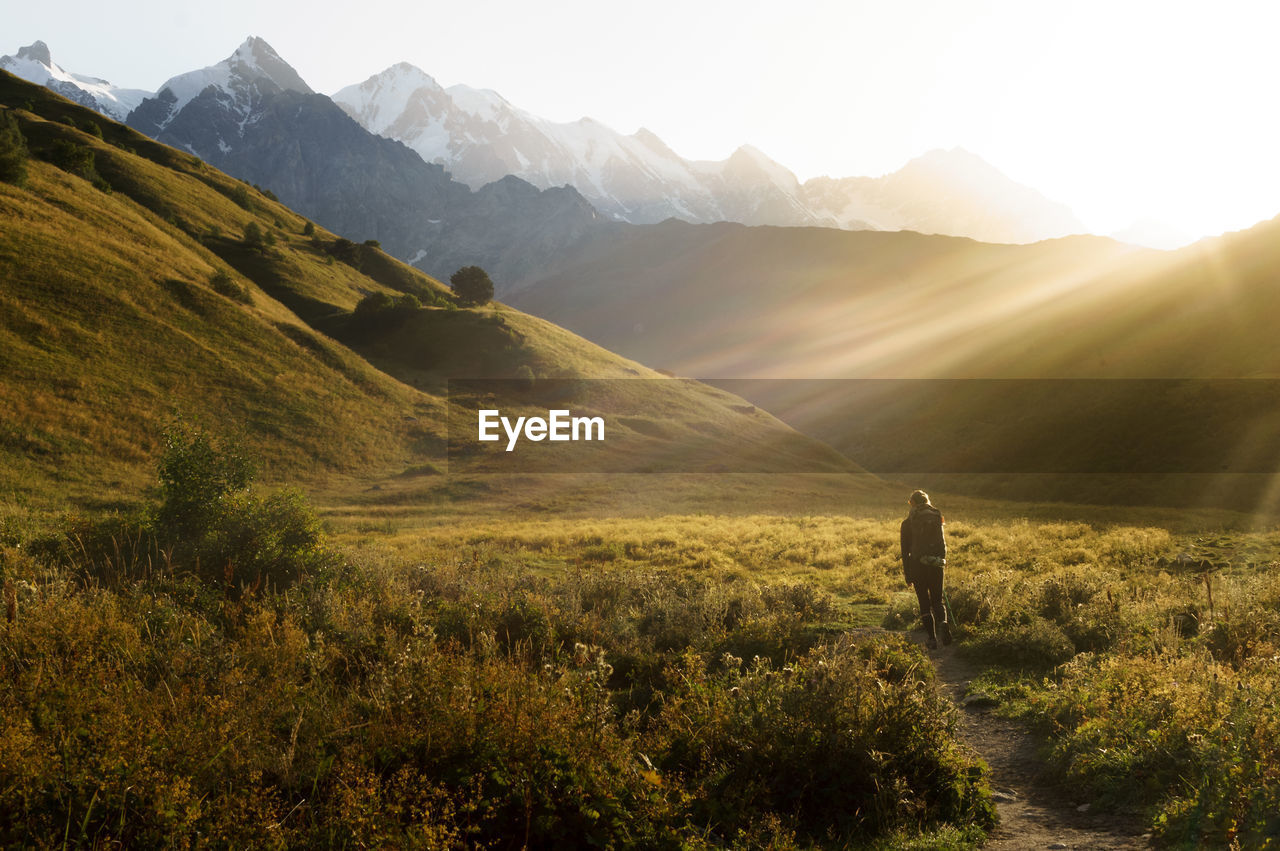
pixel 927 544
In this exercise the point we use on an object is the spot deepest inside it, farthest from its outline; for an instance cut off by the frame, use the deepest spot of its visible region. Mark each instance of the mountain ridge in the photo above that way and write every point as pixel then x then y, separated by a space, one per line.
pixel 253 116
pixel 640 180
pixel 480 137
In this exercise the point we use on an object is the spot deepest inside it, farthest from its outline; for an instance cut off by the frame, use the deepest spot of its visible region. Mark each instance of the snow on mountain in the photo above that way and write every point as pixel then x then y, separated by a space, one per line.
pixel 479 136
pixel 35 64
pixel 237 82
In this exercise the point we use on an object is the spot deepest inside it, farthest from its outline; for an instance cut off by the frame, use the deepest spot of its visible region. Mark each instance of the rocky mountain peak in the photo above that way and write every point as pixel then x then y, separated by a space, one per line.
pixel 37 51
pixel 255 59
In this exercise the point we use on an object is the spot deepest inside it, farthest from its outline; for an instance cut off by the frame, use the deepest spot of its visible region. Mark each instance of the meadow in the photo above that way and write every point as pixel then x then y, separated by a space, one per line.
pixel 229 666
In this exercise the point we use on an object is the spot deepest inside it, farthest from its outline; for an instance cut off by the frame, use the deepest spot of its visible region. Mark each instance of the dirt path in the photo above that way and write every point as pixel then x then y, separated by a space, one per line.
pixel 1033 813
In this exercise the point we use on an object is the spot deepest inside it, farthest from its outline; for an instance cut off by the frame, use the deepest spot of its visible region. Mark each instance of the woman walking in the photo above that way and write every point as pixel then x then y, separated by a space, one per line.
pixel 924 555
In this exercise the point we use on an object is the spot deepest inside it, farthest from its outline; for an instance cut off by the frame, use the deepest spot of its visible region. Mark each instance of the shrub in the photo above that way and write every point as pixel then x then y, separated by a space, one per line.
pixel 223 284
pixel 374 304
pixel 198 477
pixel 1027 641
pixel 13 151
pixel 239 194
pixel 825 741
pixel 253 235
pixel 269 543
pixel 210 518
pixel 78 160
pixel 380 310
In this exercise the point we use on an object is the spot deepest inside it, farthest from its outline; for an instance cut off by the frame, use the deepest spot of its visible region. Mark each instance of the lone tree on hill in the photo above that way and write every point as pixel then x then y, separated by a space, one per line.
pixel 471 286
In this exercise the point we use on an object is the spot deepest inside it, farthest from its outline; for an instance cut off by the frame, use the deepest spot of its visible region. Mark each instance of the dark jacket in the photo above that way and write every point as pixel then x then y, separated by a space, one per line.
pixel 922 536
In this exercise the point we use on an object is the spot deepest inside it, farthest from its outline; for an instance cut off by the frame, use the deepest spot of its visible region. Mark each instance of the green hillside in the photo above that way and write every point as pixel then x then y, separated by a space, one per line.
pixel 139 286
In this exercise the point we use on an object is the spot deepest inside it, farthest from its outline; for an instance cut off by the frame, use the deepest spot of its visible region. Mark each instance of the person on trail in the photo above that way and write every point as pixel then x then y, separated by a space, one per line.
pixel 924 554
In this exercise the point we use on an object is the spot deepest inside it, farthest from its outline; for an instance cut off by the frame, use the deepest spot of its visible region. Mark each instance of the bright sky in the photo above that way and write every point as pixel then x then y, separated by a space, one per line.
pixel 1122 110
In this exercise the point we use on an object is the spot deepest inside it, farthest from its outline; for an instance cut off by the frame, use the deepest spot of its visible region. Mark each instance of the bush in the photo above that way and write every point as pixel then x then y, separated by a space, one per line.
pixel 270 543
pixel 13 151
pixel 239 194
pixel 825 741
pixel 449 702
pixel 223 284
pixel 78 160
pixel 210 518
pixel 375 304
pixel 379 311
pixel 1029 641
pixel 257 238
pixel 198 478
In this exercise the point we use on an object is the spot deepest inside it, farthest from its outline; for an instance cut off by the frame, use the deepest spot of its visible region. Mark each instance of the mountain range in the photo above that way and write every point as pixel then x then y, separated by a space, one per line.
pixel 478 138
pixel 255 118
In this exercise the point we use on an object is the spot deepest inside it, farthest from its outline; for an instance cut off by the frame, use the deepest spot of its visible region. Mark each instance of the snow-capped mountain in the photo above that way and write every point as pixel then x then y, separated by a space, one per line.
pixel 233 89
pixel 254 117
pixel 35 64
pixel 479 137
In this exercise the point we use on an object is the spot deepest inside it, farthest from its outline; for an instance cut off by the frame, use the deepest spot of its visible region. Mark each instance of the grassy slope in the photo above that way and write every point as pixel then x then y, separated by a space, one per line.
pixel 111 325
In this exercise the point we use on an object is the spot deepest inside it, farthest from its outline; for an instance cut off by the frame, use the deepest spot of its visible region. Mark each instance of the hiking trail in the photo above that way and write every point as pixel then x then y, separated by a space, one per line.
pixel 1034 814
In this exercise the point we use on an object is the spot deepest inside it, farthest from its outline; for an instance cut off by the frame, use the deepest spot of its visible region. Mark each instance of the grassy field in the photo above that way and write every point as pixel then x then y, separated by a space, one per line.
pixel 217 669
pixel 243 668
pixel 1141 644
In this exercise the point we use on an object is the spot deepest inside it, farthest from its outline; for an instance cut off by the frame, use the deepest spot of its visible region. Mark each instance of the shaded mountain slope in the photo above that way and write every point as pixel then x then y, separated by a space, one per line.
pixel 726 301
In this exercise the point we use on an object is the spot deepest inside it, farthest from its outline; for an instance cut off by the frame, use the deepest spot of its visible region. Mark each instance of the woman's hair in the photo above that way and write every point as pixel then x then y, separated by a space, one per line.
pixel 919 498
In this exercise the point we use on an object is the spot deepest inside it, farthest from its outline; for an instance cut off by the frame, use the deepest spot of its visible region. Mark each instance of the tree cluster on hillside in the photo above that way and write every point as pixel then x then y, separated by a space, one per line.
pixel 13 151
